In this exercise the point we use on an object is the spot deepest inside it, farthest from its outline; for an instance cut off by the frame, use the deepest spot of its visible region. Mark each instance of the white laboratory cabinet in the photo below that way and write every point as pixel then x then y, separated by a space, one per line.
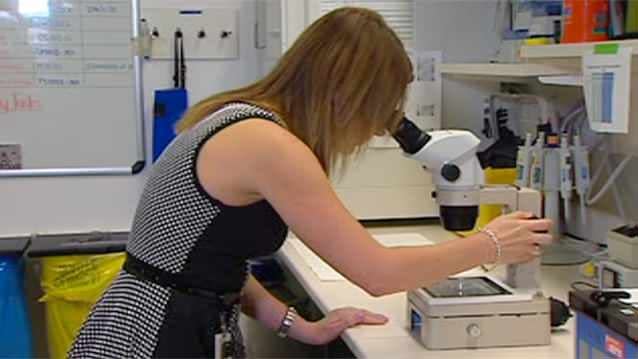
pixel 381 183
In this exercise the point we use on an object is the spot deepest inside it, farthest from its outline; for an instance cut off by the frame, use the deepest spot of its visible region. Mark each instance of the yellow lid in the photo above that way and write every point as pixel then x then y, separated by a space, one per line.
pixel 588 270
pixel 538 41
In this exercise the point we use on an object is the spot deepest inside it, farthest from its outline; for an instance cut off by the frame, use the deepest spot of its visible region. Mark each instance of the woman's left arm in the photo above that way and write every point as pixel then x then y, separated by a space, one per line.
pixel 259 304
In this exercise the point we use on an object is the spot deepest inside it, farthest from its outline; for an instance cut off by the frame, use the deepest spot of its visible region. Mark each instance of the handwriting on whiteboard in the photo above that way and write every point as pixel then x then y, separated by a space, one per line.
pixel 19 102
pixel 101 9
pixel 79 43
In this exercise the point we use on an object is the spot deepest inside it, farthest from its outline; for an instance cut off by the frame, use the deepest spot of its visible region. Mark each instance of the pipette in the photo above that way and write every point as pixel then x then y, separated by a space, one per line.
pixel 523 162
pixel 538 157
pixel 582 174
pixel 566 182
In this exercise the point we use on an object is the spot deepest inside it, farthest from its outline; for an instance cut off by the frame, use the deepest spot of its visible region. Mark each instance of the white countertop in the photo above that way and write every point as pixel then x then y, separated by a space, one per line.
pixel 392 340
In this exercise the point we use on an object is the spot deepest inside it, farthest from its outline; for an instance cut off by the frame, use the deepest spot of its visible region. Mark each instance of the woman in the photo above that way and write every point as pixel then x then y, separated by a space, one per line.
pixel 247 164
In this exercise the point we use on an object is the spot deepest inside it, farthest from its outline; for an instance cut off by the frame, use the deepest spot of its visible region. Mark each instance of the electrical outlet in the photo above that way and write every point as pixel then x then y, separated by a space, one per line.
pixel 10 157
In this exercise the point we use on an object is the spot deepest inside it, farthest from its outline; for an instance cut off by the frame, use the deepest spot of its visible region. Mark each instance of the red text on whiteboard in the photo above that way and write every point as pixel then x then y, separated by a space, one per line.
pixel 19 102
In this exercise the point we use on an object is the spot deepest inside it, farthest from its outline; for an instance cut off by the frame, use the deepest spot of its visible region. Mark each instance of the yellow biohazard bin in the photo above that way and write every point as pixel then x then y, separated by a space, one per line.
pixel 72 284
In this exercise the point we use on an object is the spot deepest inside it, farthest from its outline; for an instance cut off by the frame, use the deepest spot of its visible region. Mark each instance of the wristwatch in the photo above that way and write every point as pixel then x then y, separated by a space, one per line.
pixel 286 322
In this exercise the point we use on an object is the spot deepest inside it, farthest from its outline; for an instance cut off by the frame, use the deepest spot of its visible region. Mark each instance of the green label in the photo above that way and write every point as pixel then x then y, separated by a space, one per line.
pixel 606 49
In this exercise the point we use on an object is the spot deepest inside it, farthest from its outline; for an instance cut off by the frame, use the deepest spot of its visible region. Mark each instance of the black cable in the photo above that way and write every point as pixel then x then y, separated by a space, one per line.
pixel 179 64
pixel 182 63
pixel 176 59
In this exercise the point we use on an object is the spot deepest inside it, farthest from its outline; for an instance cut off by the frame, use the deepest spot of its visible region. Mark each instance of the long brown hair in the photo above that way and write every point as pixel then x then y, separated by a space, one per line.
pixel 344 79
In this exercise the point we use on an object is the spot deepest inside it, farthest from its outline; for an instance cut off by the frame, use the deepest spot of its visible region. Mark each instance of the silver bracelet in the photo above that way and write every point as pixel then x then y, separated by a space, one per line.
pixel 287 322
pixel 497 244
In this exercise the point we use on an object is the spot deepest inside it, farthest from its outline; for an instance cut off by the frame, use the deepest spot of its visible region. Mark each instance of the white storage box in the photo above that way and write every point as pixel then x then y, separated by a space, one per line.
pixel 623 246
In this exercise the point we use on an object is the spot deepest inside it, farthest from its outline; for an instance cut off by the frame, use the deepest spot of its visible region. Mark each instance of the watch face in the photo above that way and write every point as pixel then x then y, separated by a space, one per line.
pixel 286 322
pixel 466 287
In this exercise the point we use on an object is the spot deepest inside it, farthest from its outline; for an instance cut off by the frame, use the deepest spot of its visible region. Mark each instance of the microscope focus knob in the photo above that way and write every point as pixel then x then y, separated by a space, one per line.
pixel 474 330
pixel 450 172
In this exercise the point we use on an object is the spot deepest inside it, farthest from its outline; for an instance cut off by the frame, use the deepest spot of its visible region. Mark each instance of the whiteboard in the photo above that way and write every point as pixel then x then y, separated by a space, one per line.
pixel 70 88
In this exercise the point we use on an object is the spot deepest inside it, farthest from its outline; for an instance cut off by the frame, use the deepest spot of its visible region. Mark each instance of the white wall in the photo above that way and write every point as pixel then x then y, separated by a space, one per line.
pixel 465 31
pixel 79 204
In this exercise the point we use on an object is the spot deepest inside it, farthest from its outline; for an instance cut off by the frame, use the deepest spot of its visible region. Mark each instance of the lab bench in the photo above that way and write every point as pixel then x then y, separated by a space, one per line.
pixel 393 340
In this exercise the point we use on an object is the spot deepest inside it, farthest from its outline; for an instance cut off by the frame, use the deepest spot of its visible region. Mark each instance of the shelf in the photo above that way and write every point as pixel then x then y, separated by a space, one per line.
pixel 498 72
pixel 570 50
pixel 563 80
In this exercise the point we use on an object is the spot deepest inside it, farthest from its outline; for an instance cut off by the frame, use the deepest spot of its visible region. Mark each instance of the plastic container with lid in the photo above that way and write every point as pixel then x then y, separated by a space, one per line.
pixel 585 20
pixel 15 327
pixel 76 270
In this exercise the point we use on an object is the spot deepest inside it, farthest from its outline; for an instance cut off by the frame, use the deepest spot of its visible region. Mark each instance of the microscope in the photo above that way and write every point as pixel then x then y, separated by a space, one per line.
pixel 473 310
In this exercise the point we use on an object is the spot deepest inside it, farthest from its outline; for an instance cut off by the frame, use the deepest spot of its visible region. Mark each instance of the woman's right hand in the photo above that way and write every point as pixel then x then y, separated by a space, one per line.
pixel 333 324
pixel 521 236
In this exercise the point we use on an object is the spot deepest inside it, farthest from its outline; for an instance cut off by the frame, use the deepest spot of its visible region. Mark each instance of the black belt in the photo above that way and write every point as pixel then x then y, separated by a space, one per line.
pixel 148 273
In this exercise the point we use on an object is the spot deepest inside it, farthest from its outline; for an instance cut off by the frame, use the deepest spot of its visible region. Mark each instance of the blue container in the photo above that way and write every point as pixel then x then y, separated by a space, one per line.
pixel 15 328
pixel 169 108
pixel 595 340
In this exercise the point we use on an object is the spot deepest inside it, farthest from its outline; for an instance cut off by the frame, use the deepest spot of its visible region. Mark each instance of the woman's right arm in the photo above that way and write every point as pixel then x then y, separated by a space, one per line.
pixel 280 168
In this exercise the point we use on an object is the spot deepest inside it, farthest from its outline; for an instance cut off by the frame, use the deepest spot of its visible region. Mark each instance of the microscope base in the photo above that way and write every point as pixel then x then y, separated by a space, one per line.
pixel 442 317
pixel 562 253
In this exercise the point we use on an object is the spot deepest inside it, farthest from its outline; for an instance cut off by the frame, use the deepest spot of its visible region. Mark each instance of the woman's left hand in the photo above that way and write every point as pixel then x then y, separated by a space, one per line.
pixel 333 324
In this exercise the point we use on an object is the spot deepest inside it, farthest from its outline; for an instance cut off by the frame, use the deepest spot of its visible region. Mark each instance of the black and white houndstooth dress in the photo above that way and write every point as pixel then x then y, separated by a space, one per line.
pixel 180 229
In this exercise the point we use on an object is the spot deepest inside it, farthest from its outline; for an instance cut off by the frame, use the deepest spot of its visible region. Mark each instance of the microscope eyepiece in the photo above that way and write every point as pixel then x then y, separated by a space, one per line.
pixel 410 137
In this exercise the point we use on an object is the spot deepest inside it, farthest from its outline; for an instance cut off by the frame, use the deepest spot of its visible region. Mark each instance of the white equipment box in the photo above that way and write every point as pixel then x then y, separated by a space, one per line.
pixel 477 312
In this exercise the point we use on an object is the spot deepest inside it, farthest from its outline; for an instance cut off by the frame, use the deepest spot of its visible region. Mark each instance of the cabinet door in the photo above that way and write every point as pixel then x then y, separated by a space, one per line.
pixel 399 14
